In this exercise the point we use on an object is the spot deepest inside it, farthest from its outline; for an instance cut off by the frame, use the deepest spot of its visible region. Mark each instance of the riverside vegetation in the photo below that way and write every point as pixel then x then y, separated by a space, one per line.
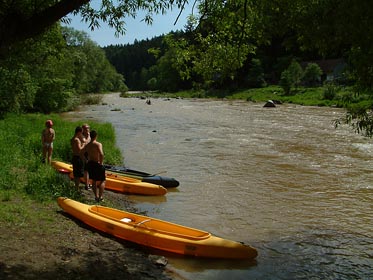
pixel 328 95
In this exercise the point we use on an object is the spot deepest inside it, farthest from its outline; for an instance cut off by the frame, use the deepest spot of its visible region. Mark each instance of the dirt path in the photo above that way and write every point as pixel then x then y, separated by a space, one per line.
pixel 68 249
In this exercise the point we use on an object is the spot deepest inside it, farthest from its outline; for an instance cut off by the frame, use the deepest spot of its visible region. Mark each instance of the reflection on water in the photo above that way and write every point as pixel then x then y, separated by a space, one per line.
pixel 280 179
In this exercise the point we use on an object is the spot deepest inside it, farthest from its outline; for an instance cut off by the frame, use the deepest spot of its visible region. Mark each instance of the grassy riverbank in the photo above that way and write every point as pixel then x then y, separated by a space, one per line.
pixel 24 177
pixel 37 240
pixel 21 153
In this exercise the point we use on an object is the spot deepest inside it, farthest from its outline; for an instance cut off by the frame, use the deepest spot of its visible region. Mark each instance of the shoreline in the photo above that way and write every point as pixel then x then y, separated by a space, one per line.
pixel 69 249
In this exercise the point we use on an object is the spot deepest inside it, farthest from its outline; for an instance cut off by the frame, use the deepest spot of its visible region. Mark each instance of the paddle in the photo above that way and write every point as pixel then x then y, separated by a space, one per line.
pixel 156 174
pixel 126 170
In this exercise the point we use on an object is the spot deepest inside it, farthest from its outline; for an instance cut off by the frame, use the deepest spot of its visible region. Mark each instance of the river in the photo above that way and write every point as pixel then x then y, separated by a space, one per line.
pixel 282 179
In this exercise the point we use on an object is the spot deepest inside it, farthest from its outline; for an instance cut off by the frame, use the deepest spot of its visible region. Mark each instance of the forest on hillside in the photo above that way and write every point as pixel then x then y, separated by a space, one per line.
pixel 246 44
pixel 148 65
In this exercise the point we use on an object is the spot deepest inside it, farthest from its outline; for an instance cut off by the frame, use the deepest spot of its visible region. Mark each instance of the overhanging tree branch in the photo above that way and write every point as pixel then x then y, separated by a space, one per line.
pixel 17 26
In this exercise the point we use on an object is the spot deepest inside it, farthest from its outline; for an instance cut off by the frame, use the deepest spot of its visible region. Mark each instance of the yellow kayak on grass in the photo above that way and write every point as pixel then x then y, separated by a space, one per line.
pixel 113 182
pixel 156 233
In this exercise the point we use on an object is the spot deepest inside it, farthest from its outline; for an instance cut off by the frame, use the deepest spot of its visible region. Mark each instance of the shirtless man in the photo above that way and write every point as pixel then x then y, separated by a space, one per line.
pixel 77 146
pixel 47 138
pixel 95 168
pixel 86 138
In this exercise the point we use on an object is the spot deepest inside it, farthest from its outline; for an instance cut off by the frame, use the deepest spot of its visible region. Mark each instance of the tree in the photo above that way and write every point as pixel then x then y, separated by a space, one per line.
pixel 224 38
pixel 25 19
pixel 214 47
pixel 44 73
pixel 92 72
pixel 255 75
pixel 174 71
pixel 291 77
pixel 20 84
pixel 130 59
pixel 296 73
pixel 36 74
pixel 312 74
pixel 339 28
pixel 167 76
pixel 286 81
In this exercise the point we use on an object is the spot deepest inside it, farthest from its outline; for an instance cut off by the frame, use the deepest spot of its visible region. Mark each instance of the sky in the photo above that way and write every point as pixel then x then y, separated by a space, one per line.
pixel 136 29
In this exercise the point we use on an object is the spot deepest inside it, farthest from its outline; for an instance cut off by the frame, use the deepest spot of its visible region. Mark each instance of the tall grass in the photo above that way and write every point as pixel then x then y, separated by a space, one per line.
pixel 22 171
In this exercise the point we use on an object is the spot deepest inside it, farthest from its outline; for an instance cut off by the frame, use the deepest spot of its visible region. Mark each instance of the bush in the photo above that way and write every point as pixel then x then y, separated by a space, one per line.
pixel 312 74
pixel 90 99
pixel 330 91
pixel 152 83
pixel 286 81
pixel 296 73
pixel 255 77
pixel 17 91
pixel 53 95
pixel 291 77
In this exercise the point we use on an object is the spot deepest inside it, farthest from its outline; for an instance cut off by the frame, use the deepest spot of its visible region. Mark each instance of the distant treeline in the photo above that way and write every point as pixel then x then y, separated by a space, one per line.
pixel 248 44
pixel 137 62
pixel 151 65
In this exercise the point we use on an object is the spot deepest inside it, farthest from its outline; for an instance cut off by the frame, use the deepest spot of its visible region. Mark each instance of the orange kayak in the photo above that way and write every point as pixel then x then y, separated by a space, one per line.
pixel 156 233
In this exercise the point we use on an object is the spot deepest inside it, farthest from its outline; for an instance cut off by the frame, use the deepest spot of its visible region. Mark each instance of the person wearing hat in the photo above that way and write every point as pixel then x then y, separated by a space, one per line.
pixel 47 137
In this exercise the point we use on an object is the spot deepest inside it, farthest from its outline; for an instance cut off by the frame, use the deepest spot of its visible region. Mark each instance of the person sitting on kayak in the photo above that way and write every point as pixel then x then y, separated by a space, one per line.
pixel 95 168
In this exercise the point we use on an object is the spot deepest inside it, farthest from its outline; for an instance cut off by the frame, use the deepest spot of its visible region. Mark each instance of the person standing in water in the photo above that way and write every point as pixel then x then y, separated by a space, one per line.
pixel 47 137
pixel 95 168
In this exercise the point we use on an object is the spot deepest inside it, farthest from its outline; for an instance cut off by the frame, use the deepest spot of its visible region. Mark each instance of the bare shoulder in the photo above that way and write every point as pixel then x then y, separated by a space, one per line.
pixel 76 140
pixel 99 145
pixel 96 144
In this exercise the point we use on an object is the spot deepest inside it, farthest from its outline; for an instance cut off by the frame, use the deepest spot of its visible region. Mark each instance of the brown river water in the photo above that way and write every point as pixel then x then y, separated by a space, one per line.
pixel 282 179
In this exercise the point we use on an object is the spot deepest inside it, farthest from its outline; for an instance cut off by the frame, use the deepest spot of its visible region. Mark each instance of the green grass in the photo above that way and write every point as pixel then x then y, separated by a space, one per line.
pixel 303 96
pixel 23 176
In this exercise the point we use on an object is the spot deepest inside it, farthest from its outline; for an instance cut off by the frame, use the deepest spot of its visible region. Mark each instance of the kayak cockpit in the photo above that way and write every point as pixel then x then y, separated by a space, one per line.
pixel 150 224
